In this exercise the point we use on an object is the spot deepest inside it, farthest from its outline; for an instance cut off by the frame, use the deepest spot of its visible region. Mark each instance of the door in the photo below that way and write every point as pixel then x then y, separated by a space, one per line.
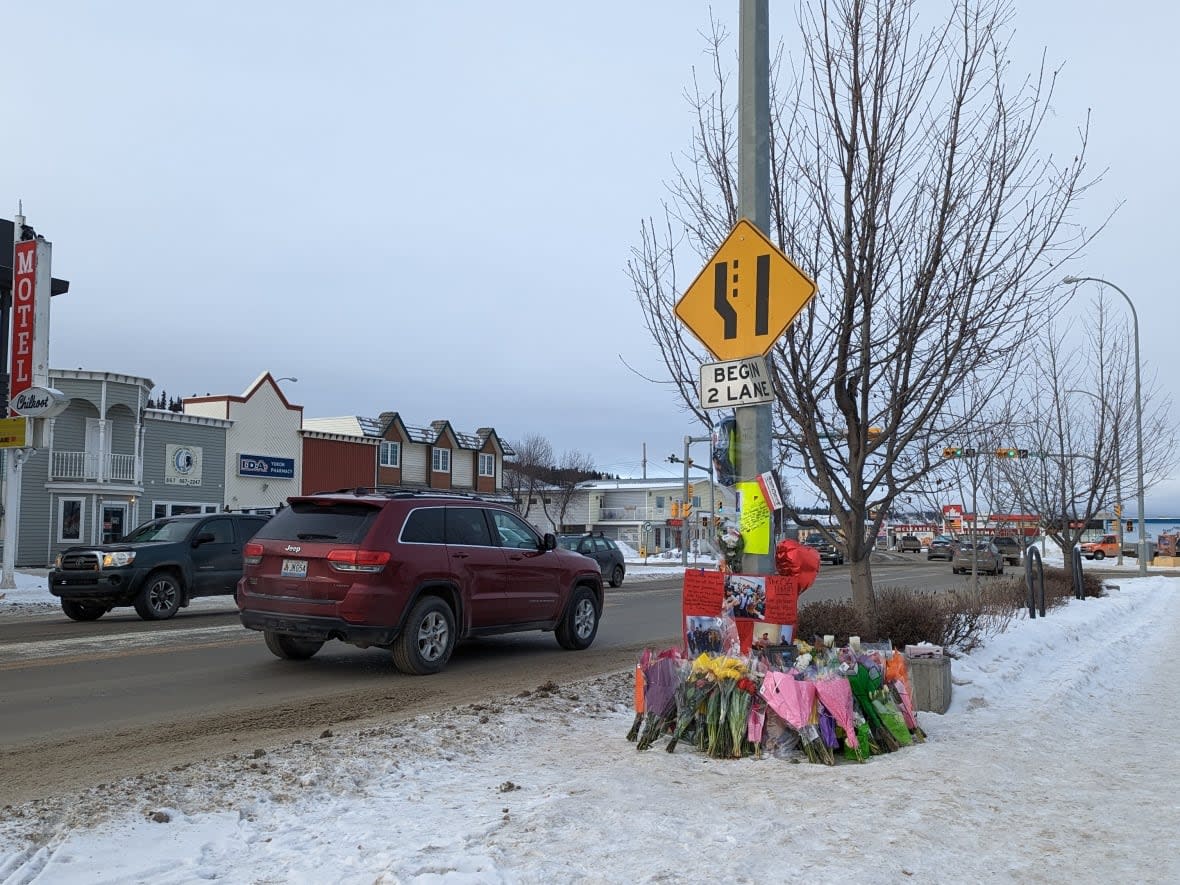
pixel 217 557
pixel 114 522
pixel 533 585
pixel 478 566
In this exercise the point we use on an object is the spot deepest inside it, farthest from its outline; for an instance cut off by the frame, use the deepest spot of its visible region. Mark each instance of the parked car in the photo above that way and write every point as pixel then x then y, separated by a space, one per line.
pixel 1107 545
pixel 1010 548
pixel 941 548
pixel 159 567
pixel 602 550
pixel 983 557
pixel 909 544
pixel 411 572
pixel 827 552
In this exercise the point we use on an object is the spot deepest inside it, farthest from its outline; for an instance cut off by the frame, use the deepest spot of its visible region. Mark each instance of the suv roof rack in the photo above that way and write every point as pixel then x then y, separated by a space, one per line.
pixel 396 492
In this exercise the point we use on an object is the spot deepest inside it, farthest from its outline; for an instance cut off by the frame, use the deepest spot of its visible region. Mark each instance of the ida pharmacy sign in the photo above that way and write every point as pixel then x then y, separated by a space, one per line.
pixel 30 316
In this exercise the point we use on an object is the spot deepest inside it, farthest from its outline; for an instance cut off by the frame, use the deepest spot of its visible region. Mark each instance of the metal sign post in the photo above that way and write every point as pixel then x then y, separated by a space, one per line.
pixel 29 369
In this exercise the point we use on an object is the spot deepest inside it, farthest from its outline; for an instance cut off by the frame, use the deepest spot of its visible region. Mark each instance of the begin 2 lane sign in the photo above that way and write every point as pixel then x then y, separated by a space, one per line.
pixel 735 383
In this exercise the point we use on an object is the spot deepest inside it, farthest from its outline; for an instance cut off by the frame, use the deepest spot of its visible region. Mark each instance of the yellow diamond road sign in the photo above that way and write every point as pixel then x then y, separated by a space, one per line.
pixel 745 297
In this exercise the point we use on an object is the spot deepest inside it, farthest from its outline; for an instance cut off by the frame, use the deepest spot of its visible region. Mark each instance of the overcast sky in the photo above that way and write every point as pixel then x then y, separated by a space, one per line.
pixel 429 207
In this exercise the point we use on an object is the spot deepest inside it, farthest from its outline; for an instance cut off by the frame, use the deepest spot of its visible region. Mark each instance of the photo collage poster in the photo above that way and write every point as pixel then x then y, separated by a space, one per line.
pixel 764 609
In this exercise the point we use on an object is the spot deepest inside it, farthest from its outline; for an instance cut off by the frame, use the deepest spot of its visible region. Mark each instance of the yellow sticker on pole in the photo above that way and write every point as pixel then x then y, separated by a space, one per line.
pixel 755 521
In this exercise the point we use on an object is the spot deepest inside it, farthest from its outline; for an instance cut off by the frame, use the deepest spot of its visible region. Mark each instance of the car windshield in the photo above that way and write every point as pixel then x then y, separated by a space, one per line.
pixel 161 530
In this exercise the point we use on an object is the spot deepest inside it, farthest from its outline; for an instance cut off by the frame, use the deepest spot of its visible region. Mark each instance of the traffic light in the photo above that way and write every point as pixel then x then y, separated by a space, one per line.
pixel 1118 509
pixel 690 491
pixel 1011 453
pixel 675 509
pixel 952 452
pixel 1130 525
pixel 686 507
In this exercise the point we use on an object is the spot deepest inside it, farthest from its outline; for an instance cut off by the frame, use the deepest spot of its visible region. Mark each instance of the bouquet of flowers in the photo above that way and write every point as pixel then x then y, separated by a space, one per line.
pixel 836 697
pixel 866 682
pixel 897 677
pixel 644 660
pixel 731 544
pixel 716 697
pixel 794 699
pixel 691 696
pixel 660 680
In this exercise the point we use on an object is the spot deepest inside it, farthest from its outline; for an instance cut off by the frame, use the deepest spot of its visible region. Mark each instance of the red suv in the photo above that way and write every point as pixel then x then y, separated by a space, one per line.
pixel 411 572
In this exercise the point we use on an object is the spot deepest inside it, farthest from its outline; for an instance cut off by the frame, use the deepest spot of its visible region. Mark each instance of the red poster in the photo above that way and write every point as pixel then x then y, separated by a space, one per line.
pixel 766 601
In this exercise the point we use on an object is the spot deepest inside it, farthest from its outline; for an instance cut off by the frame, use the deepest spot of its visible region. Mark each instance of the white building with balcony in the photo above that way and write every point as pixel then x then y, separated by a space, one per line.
pixel 643 513
pixel 109 463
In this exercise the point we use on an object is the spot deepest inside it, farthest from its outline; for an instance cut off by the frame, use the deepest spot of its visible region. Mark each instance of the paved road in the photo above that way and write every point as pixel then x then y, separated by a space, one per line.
pixel 83 703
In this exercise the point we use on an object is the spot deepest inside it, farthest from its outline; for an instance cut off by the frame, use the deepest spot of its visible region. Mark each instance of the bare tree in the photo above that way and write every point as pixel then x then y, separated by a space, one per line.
pixel 1076 409
pixel 906 181
pixel 572 469
pixel 525 473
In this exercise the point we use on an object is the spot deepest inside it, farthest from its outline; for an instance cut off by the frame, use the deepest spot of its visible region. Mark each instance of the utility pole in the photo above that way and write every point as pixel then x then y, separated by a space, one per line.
pixel 753 422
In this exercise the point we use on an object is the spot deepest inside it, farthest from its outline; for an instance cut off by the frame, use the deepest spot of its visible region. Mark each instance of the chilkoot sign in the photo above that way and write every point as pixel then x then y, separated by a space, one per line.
pixel 39 402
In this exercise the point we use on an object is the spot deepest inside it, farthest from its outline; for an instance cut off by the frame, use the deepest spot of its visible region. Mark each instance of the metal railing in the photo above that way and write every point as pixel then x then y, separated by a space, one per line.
pixel 85 466
pixel 1037 593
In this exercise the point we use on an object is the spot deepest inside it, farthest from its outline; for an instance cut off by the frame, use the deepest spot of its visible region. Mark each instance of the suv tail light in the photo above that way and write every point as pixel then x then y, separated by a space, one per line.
pixel 252 553
pixel 371 561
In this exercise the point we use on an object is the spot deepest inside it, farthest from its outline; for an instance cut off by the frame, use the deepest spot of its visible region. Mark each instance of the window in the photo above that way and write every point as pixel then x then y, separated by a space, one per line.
pixel 69 519
pixel 659 502
pixel 391 454
pixel 513 532
pixel 440 460
pixel 424 526
pixel 162 509
pixel 487 465
pixel 222 530
pixel 466 526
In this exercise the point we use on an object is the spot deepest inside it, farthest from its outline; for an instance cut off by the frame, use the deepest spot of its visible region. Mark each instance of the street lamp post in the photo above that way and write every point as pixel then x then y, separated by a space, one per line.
pixel 1142 546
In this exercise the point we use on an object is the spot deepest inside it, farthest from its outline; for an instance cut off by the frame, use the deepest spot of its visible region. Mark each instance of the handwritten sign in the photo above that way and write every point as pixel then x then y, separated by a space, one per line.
pixel 755 518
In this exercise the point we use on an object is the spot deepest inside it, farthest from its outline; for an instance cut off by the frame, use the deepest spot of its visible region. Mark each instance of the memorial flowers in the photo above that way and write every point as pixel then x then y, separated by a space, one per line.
pixel 842 703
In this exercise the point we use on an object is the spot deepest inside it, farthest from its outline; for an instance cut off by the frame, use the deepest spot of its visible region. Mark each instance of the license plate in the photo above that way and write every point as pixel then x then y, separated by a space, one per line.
pixel 294 568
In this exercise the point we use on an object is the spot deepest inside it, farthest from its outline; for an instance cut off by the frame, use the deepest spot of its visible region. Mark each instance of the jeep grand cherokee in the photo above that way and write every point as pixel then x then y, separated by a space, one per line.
pixel 411 572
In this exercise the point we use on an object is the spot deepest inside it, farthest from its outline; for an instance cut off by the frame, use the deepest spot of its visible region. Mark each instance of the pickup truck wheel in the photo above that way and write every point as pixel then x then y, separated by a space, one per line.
pixel 427 640
pixel 1098 554
pixel 80 611
pixel 291 648
pixel 160 597
pixel 579 625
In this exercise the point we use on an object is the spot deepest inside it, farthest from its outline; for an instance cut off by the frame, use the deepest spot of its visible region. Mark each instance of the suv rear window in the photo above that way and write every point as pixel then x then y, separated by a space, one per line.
pixel 343 521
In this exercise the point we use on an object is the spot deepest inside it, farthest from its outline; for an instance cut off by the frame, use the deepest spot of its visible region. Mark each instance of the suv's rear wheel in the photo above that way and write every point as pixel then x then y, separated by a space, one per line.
pixel 426 642
pixel 291 648
pixel 616 576
pixel 1099 554
pixel 81 611
pixel 160 597
pixel 580 624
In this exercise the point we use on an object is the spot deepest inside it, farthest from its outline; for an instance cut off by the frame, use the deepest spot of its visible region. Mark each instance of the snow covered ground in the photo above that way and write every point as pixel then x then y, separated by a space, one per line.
pixel 1057 761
